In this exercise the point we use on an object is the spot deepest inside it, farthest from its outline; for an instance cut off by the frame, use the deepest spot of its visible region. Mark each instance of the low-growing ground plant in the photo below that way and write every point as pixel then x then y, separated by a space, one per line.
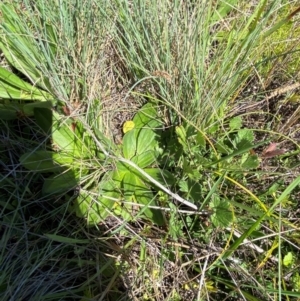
pixel 149 150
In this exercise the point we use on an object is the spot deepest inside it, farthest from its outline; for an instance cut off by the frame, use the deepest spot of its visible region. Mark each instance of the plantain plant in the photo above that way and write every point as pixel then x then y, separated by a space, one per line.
pixel 119 188
pixel 140 146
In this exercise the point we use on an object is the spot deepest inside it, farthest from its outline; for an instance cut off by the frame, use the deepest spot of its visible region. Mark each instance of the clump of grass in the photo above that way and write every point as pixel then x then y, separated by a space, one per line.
pixel 191 62
pixel 59 48
pixel 189 54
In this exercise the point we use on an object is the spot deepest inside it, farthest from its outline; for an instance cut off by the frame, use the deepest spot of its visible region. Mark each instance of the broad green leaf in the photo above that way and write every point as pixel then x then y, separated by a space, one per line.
pixel 43 118
pixel 243 146
pixel 28 108
pixel 245 134
pixel 111 181
pixel 154 215
pixel 138 141
pixel 135 189
pixel 129 184
pixel 109 192
pixel 142 137
pixel 46 161
pixel 190 130
pixel 222 216
pixel 123 167
pixel 145 159
pixel 183 186
pixel 162 176
pixel 129 144
pixel 186 166
pixel 143 195
pixel 147 117
pixel 251 162
pixel 64 160
pixel 64 138
pixel 117 176
pixel 235 123
pixel 13 87
pixel 145 141
pixel 60 184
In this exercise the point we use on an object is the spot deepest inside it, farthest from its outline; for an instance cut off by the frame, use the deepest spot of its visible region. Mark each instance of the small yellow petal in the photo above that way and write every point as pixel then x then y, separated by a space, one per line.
pixel 128 126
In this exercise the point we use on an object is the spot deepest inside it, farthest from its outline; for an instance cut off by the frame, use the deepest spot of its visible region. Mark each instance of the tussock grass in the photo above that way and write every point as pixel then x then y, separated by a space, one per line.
pixel 197 61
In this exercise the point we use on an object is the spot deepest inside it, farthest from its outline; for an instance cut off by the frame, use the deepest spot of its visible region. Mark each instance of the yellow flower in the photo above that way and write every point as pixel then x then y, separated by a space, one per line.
pixel 128 126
